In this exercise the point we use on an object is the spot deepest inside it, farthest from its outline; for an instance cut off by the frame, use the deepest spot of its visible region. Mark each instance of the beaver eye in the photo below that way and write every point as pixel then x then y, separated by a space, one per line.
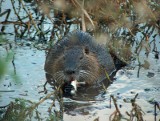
pixel 86 50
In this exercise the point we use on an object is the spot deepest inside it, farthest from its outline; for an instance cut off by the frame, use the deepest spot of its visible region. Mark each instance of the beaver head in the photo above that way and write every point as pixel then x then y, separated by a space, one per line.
pixel 78 65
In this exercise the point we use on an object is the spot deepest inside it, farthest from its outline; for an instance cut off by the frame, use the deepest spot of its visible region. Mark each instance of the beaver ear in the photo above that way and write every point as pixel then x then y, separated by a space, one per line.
pixel 86 50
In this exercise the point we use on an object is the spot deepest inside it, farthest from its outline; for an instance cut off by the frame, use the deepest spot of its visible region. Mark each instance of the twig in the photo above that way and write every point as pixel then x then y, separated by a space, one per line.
pixel 30 16
pixel 114 101
pixel 42 100
pixel 117 114
pixel 13 22
pixel 53 104
pixel 7 90
pixel 83 21
pixel 19 18
pixel 155 111
pixel 14 64
pixel 156 105
pixel 110 100
pixel 136 110
pixel 85 12
pixel 8 13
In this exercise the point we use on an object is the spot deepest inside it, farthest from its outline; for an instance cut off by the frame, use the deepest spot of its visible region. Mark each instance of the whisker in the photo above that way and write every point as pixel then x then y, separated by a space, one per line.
pixel 59 76
pixel 87 75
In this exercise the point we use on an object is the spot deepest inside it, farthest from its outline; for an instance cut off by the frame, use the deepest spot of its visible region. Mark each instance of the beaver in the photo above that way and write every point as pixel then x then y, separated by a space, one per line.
pixel 78 60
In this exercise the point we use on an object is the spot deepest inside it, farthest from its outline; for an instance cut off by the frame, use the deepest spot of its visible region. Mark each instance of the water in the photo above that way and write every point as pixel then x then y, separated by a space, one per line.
pixel 29 64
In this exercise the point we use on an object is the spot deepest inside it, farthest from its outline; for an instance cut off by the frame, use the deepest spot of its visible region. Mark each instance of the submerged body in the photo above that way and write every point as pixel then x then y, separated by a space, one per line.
pixel 78 59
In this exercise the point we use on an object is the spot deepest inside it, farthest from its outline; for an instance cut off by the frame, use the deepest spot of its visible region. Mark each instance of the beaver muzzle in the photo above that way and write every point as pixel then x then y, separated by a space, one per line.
pixel 70 88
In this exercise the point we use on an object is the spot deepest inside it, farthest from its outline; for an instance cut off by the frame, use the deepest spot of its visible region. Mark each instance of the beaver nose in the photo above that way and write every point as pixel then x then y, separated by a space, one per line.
pixel 69 72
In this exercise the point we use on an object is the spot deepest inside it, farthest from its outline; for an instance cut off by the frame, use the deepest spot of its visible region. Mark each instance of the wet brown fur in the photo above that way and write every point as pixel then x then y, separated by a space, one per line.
pixel 92 63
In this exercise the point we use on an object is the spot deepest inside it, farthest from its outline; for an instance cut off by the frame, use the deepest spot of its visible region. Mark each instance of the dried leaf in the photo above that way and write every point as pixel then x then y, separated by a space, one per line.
pixel 146 64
